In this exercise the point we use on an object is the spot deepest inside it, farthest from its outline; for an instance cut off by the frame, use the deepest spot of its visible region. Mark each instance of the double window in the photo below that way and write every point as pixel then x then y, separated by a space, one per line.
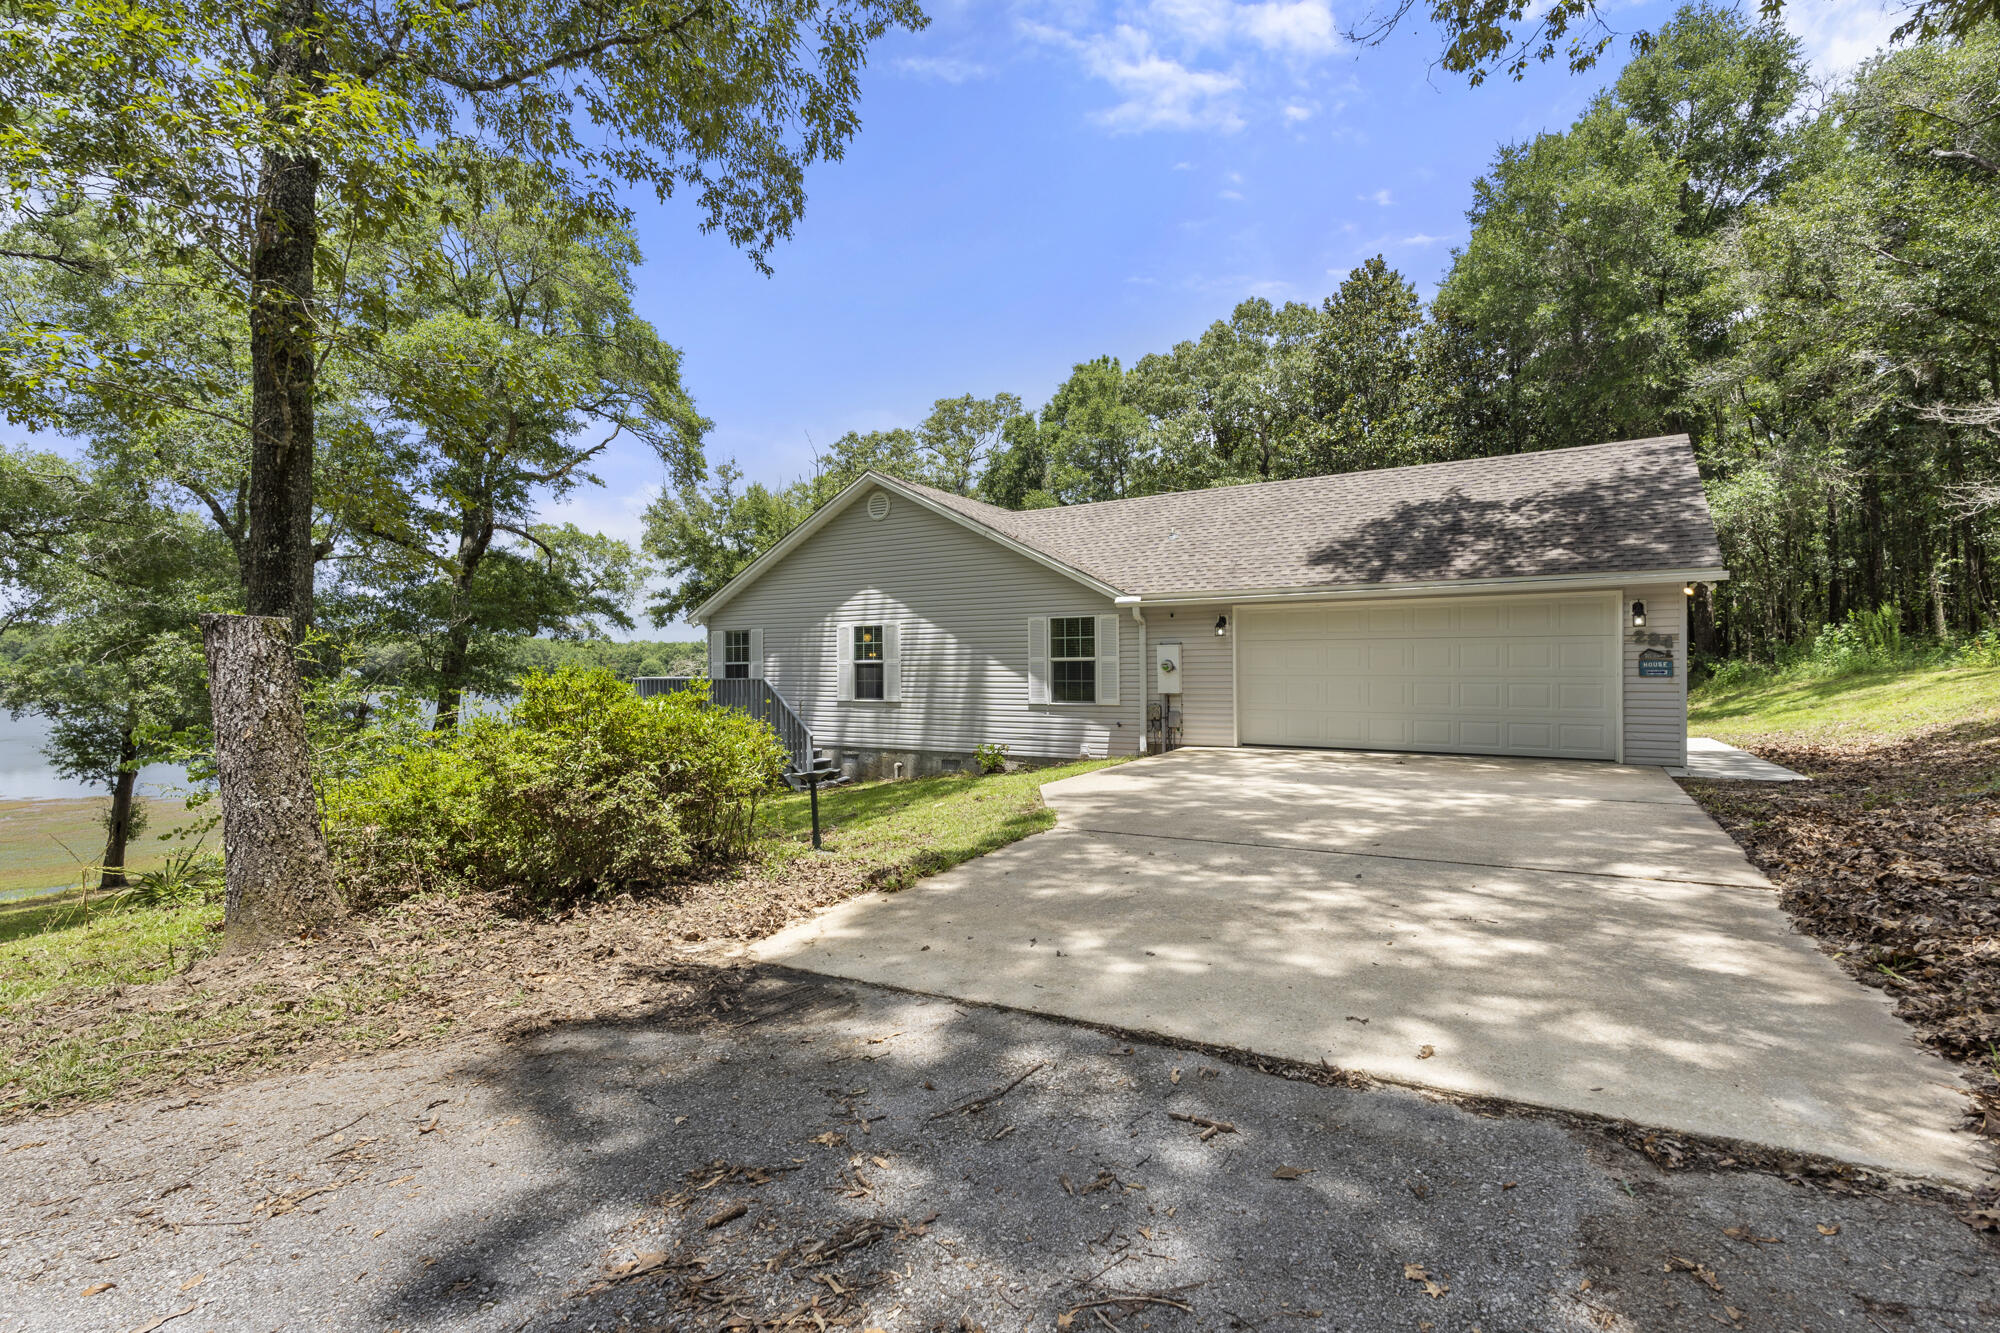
pixel 1073 659
pixel 736 654
pixel 868 662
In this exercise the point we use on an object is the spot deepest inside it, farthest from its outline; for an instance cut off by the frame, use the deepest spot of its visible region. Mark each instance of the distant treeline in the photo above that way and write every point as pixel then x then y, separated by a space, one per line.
pixel 386 664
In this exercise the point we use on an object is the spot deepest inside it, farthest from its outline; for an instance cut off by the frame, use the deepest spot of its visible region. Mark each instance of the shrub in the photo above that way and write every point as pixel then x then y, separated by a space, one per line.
pixel 583 787
pixel 992 757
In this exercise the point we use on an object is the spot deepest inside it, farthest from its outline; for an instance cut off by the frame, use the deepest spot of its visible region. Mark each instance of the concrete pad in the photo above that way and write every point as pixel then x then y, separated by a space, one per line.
pixel 1710 758
pixel 1537 814
pixel 1684 1002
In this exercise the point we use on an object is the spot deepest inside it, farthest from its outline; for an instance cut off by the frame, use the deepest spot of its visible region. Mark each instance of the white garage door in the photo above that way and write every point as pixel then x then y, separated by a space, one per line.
pixel 1461 675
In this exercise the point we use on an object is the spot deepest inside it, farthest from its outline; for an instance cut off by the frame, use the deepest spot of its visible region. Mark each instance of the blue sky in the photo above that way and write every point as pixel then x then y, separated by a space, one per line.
pixel 1036 184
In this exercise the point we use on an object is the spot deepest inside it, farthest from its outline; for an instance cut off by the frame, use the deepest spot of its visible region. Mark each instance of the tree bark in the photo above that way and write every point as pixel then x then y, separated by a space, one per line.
pixel 118 825
pixel 280 880
pixel 451 677
pixel 278 549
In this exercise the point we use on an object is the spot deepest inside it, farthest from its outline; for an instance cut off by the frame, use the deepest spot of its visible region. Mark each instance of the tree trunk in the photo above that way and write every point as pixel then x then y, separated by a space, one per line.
pixel 280 881
pixel 278 550
pixel 451 677
pixel 118 824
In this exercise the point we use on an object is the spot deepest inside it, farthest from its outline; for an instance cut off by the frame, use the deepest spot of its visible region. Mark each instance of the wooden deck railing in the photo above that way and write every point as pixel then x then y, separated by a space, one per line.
pixel 754 697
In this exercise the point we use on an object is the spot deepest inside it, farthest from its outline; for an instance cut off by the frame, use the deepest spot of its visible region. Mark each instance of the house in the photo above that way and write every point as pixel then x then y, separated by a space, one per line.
pixel 1533 605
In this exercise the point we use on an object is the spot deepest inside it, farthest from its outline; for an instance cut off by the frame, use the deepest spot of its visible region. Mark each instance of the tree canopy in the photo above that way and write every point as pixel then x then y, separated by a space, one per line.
pixel 1804 284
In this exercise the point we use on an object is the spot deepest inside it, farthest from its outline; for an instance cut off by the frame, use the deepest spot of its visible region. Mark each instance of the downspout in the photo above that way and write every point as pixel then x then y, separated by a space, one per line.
pixel 1145 682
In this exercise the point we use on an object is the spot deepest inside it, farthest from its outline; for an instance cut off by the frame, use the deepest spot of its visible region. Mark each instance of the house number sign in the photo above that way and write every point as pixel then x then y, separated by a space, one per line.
pixel 1654 662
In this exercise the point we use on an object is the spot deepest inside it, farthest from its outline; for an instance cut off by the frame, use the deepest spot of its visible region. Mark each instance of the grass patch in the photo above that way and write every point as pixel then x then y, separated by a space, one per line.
pixel 895 833
pixel 46 845
pixel 1880 704
pixel 105 1000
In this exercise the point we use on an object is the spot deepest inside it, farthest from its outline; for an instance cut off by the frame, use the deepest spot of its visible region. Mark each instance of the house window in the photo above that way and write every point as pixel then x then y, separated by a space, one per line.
pixel 736 654
pixel 1073 659
pixel 868 661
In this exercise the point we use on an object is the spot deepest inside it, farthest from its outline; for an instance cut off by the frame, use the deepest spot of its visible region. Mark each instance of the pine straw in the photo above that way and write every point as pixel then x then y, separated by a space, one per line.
pixel 1890 858
pixel 429 968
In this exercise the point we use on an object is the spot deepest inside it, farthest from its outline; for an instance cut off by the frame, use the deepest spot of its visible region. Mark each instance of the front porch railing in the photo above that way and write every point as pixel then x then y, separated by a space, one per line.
pixel 755 697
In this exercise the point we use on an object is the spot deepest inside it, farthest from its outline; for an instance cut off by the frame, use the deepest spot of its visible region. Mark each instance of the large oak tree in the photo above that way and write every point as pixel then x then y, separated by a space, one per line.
pixel 215 136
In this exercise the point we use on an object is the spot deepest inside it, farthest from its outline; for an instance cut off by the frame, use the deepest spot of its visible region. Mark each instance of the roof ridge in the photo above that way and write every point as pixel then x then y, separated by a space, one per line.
pixel 1328 476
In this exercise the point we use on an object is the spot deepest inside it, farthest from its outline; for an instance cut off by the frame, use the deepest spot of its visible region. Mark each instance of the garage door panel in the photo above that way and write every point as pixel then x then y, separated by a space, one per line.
pixel 1482 696
pixel 1530 696
pixel 1582 697
pixel 1531 654
pixel 1482 654
pixel 1433 696
pixel 1482 619
pixel 1583 655
pixel 1433 655
pixel 1497 675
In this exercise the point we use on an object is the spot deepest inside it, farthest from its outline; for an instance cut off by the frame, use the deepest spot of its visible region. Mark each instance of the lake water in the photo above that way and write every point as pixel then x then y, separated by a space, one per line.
pixel 25 774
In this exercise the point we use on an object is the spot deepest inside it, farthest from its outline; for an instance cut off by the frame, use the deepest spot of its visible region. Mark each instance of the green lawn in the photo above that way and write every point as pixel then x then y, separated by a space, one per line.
pixel 48 845
pixel 901 831
pixel 1874 704
pixel 79 1021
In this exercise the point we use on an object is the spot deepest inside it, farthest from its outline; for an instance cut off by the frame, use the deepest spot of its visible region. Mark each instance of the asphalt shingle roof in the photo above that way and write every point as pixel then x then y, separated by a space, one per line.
pixel 1591 509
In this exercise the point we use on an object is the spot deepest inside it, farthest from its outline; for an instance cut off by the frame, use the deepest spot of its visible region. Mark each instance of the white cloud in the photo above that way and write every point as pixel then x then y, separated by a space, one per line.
pixel 1303 29
pixel 1379 198
pixel 1159 92
pixel 1194 64
pixel 945 69
pixel 1230 194
pixel 1423 238
pixel 1840 34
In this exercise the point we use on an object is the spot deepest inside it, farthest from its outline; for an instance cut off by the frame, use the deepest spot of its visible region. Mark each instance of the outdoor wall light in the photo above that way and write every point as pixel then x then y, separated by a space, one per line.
pixel 1638 615
pixel 1221 626
pixel 1688 591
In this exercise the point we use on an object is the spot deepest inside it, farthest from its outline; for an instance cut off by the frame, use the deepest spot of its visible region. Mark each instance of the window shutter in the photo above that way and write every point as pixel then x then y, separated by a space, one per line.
pixel 756 654
pixel 1038 659
pixel 843 653
pixel 715 654
pixel 892 661
pixel 1107 659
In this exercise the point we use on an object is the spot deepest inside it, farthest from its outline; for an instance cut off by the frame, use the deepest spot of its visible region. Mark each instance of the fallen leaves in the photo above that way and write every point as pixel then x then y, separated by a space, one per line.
pixel 1890 858
pixel 1432 1288
pixel 97 1289
pixel 1291 1172
pixel 727 1215
pixel 1426 1052
pixel 1748 1236
pixel 1828 1229
pixel 1702 1273
pixel 1209 1128
pixel 171 1315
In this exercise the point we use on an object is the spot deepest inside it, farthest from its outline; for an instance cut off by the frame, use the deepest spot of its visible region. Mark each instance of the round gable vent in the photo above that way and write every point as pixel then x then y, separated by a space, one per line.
pixel 878 506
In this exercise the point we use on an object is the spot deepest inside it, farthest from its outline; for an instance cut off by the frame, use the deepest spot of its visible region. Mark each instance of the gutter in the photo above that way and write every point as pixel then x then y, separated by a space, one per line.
pixel 1145 687
pixel 1433 588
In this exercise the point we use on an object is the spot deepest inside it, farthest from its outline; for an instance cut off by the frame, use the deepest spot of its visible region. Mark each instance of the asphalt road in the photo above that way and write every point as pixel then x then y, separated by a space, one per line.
pixel 570 1182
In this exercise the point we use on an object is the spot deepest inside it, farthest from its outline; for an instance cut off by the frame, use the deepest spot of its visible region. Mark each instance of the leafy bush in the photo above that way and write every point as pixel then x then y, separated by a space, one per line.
pixel 992 757
pixel 582 787
pixel 191 877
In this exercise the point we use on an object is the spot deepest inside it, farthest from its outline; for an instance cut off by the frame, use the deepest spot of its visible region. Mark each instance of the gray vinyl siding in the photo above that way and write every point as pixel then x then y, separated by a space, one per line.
pixel 1655 707
pixel 1208 680
pixel 963 602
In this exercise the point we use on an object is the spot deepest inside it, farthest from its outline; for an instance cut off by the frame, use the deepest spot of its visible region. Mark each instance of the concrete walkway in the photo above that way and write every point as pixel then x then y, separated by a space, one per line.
pixel 1712 759
pixel 1572 935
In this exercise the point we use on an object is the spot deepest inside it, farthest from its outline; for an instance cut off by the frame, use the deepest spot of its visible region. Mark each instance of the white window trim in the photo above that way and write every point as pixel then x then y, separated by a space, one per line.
pixel 753 654
pixel 891 661
pixel 1096 660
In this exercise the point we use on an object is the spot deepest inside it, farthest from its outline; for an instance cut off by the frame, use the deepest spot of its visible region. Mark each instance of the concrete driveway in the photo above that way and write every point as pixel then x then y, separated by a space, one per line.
pixel 1570 935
